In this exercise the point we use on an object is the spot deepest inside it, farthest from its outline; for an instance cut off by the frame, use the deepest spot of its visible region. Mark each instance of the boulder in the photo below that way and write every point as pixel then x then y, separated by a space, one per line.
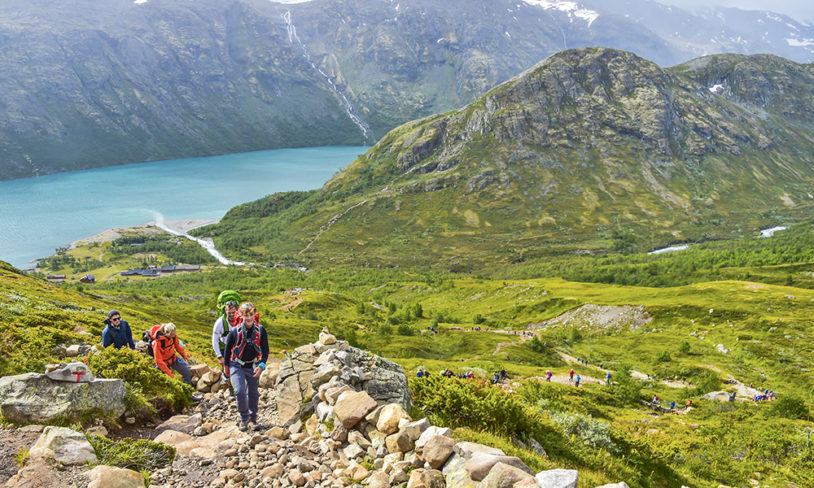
pixel 466 449
pixel 504 476
pixel 198 370
pixel 269 376
pixel 352 407
pixel 378 479
pixel 326 338
pixel 399 442
pixel 455 474
pixel 63 445
pixel 431 432
pixel 111 477
pixel 426 478
pixel 307 367
pixel 181 423
pixel 72 373
pixel 415 429
pixel 36 398
pixel 558 478
pixel 437 450
pixel 389 418
pixel 480 464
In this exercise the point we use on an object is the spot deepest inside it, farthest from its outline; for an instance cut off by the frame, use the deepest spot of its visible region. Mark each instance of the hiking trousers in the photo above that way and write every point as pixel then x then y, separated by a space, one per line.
pixel 246 391
pixel 180 366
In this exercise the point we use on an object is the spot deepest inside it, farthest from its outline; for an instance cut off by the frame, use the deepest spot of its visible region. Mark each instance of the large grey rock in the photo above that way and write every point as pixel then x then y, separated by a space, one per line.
pixel 455 474
pixel 309 366
pixel 558 478
pixel 181 423
pixel 431 432
pixel 63 445
pixel 480 464
pixel 352 407
pixel 426 478
pixel 111 477
pixel 504 476
pixel 467 449
pixel 437 450
pixel 35 398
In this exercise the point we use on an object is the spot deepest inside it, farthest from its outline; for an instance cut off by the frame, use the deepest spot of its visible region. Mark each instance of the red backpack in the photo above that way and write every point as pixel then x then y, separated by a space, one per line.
pixel 242 343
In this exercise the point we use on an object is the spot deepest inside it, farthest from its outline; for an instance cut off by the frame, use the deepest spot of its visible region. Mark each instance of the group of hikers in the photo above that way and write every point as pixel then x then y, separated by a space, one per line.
pixel 239 342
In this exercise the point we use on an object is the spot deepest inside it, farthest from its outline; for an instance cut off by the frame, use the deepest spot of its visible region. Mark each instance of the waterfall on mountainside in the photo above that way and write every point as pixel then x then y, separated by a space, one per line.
pixel 349 108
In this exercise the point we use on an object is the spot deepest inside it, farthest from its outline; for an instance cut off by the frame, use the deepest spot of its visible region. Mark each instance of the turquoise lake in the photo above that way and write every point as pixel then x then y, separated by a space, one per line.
pixel 37 215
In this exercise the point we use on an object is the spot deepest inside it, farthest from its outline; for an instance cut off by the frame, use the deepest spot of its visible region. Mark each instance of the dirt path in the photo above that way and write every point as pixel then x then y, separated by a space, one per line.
pixel 292 305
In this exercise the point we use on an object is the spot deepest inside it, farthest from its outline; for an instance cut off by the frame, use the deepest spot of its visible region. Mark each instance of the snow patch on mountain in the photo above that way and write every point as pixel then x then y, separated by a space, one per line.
pixel 573 9
pixel 287 2
pixel 717 88
pixel 140 2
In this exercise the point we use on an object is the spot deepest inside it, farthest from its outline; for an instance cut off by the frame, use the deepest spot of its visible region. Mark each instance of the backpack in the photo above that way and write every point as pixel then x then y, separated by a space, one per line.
pixel 241 344
pixel 146 337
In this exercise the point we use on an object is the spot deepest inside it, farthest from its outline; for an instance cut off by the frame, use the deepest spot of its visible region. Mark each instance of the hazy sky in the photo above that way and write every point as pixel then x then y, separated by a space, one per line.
pixel 800 10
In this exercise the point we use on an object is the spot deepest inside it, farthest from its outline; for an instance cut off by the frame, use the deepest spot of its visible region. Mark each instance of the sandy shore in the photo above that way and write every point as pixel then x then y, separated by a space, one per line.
pixel 182 226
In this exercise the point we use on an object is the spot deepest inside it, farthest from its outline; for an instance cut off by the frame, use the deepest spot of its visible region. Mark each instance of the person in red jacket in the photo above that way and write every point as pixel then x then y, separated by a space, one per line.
pixel 165 344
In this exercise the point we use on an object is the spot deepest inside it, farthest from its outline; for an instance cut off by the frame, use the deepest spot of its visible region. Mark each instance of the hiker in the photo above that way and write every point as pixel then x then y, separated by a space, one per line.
pixel 117 332
pixel 548 376
pixel 608 378
pixel 227 307
pixel 247 351
pixel 165 344
pixel 689 402
pixel 655 399
pixel 732 396
pixel 578 380
pixel 503 374
pixel 571 376
pixel 672 405
pixel 496 378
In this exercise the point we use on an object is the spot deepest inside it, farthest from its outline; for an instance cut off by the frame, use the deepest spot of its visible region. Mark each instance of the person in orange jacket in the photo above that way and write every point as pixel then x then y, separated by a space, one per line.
pixel 165 344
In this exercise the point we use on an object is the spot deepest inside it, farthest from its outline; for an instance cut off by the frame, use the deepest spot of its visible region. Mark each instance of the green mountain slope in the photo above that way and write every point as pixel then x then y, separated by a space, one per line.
pixel 589 149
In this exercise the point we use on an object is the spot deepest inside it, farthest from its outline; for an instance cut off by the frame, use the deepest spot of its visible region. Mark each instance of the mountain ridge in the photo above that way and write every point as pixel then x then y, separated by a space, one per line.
pixel 588 142
pixel 88 85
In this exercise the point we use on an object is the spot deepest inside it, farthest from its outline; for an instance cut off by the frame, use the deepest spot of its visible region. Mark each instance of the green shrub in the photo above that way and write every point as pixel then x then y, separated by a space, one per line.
pixel 592 432
pixel 536 345
pixel 135 454
pixel 663 357
pixel 790 407
pixel 145 383
pixel 627 388
pixel 684 347
pixel 405 330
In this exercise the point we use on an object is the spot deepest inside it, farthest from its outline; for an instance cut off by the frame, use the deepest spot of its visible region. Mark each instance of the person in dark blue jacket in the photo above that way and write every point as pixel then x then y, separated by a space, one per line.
pixel 245 356
pixel 117 332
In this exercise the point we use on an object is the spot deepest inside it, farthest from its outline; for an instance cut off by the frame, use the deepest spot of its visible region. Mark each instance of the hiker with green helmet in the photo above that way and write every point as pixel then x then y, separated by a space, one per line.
pixel 227 308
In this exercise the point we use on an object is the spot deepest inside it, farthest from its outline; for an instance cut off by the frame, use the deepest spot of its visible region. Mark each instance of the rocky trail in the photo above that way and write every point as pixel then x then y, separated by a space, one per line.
pixel 330 416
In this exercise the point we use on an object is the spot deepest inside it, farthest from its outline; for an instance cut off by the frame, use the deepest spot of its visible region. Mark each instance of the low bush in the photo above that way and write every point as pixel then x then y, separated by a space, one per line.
pixel 146 385
pixel 135 454
pixel 790 407
pixel 592 432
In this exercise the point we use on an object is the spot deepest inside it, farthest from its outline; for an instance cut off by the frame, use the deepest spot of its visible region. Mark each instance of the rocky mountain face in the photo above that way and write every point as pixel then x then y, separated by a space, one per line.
pixel 88 84
pixel 586 148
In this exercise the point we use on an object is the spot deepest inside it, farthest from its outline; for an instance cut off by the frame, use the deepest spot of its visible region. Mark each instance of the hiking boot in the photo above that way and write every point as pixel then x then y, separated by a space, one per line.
pixel 253 425
pixel 243 426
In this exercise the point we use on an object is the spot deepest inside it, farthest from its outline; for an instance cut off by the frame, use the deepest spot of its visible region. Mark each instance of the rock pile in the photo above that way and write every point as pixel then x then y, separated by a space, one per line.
pixel 348 438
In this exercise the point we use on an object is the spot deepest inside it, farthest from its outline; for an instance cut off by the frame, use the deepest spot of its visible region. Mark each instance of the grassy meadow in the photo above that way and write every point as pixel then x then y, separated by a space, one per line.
pixel 752 297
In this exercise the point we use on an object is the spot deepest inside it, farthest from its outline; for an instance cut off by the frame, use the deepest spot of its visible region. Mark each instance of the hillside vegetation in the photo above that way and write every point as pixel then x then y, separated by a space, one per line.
pixel 732 301
pixel 588 151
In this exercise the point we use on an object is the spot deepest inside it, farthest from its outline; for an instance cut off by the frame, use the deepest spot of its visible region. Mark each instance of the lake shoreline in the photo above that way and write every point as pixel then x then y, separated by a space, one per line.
pixel 107 235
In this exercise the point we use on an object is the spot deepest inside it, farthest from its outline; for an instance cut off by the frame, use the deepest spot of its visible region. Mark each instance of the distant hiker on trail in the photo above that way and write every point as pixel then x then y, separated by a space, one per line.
pixel 117 332
pixel 672 405
pixel 571 376
pixel 689 402
pixel 496 378
pixel 608 378
pixel 503 374
pixel 578 380
pixel 247 351
pixel 227 308
pixel 165 344
pixel 655 399
pixel 548 376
